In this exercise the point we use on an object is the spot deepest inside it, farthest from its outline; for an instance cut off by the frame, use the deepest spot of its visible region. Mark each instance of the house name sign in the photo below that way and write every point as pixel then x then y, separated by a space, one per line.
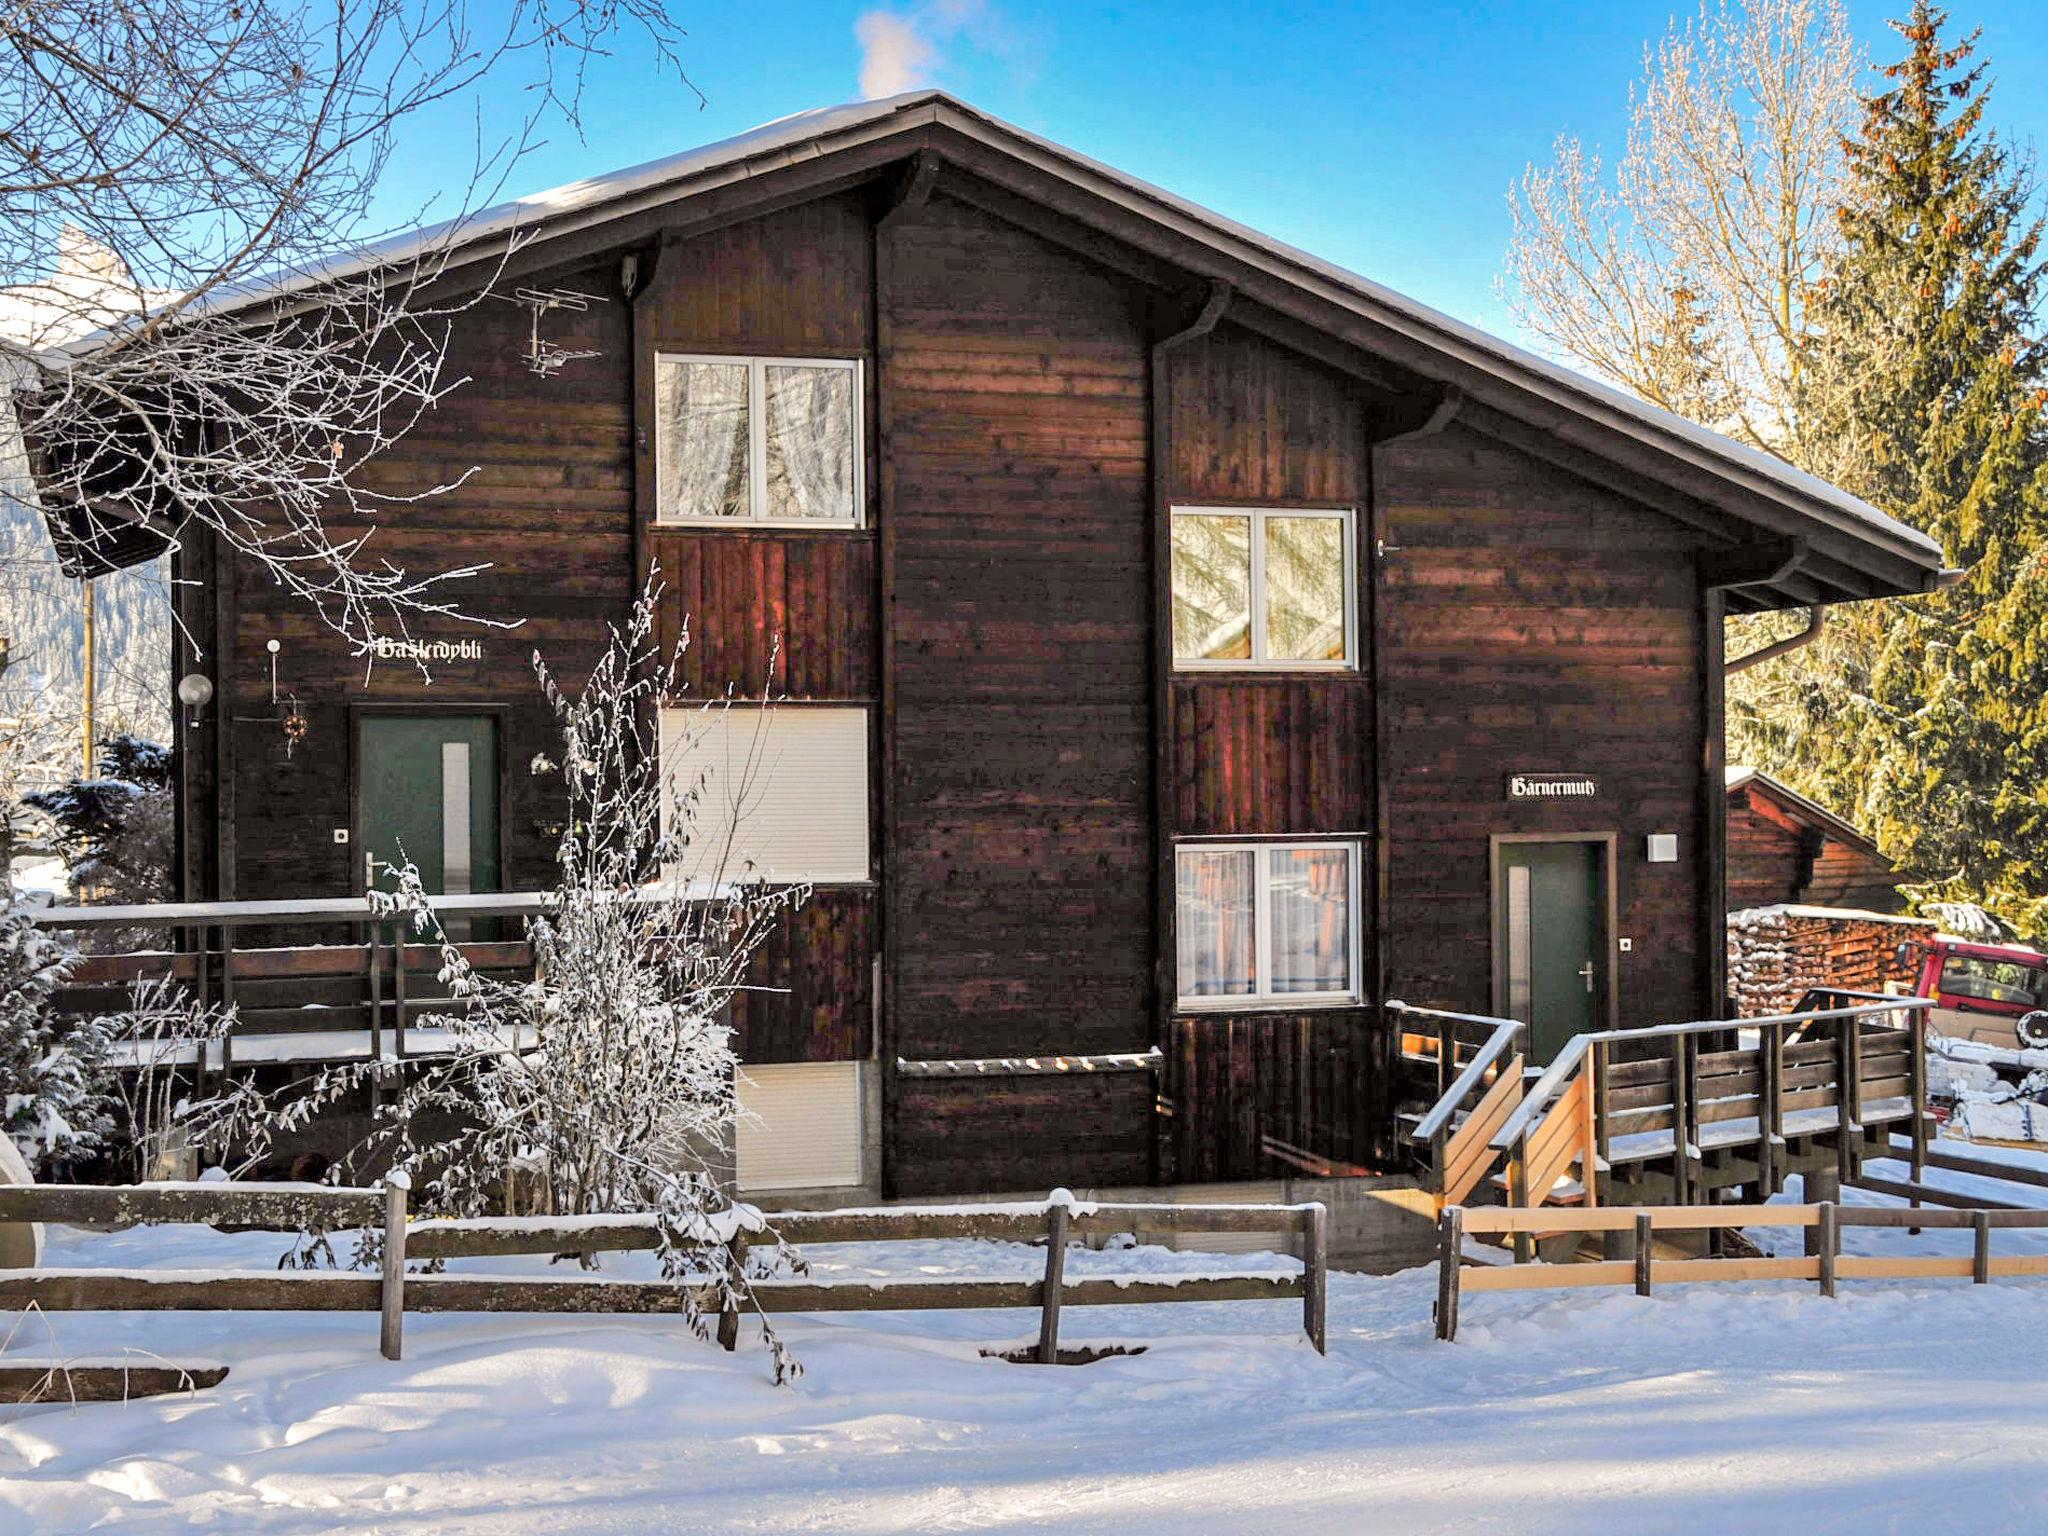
pixel 1552 786
pixel 390 648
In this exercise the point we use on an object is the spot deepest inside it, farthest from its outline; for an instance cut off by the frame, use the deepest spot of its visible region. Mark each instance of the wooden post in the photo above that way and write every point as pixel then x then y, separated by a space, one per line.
pixel 396 1183
pixel 1980 1228
pixel 1603 1137
pixel 1518 1197
pixel 1681 1118
pixel 1917 1080
pixel 1830 1246
pixel 1315 1276
pixel 1846 1127
pixel 1821 1186
pixel 729 1319
pixel 1589 1130
pixel 1643 1250
pixel 1769 1062
pixel 1057 1217
pixel 1449 1254
pixel 227 997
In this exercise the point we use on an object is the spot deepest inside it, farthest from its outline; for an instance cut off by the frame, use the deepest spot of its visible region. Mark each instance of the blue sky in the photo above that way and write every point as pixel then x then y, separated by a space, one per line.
pixel 1380 135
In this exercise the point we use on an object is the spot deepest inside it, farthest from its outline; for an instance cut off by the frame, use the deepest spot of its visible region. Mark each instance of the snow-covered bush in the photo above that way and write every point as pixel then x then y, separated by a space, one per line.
pixel 117 830
pixel 52 1098
pixel 605 1083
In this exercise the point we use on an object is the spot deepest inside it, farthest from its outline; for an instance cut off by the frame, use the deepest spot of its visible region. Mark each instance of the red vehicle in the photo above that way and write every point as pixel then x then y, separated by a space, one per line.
pixel 1994 993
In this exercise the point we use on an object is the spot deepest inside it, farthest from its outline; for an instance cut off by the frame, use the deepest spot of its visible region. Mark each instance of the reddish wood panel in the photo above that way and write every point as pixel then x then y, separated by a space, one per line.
pixel 1774 856
pixel 792 613
pixel 1260 1095
pixel 811 994
pixel 796 282
pixel 1535 623
pixel 1770 857
pixel 1020 896
pixel 1271 755
pixel 1249 421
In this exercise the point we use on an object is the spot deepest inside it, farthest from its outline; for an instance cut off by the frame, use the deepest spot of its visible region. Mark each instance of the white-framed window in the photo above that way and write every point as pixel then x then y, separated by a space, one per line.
pixel 780 791
pixel 1266 924
pixel 757 441
pixel 1264 587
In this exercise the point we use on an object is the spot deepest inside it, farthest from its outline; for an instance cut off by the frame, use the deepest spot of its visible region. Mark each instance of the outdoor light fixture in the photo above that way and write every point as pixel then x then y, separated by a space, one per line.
pixel 195 690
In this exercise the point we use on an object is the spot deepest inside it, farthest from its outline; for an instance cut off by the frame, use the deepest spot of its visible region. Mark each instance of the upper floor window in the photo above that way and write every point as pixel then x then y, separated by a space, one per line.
pixel 1263 587
pixel 772 440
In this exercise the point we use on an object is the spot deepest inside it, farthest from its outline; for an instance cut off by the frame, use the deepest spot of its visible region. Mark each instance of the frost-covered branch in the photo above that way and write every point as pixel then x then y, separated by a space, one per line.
pixel 164 164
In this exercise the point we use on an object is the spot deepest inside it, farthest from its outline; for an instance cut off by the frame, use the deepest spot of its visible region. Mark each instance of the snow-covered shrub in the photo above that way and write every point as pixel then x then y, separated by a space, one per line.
pixel 117 831
pixel 52 1097
pixel 159 1038
pixel 605 1083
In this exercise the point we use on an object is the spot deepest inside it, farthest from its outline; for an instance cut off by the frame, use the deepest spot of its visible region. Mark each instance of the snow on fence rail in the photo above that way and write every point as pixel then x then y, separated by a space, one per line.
pixel 1824 1264
pixel 1055 1221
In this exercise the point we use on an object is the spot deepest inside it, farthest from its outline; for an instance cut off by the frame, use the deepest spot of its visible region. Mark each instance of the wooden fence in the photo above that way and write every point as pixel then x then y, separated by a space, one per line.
pixel 392 1293
pixel 1824 1264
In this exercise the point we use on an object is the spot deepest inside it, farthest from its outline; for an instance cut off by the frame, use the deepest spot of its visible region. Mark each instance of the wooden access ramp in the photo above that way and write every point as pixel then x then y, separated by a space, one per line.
pixel 1674 1114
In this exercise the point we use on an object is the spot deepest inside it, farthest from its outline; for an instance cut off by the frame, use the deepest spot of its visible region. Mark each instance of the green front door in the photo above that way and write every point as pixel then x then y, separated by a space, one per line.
pixel 1550 940
pixel 429 797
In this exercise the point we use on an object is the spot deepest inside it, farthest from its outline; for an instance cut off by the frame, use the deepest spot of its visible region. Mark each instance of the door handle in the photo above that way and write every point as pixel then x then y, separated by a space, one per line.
pixel 1586 971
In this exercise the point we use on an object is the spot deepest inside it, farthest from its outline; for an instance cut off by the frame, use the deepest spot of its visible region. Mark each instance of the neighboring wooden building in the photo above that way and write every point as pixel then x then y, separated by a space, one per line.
pixel 1783 848
pixel 1189 646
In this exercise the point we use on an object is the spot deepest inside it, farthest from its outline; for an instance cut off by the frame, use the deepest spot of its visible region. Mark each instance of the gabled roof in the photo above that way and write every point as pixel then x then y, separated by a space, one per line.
pixel 1801 809
pixel 1834 547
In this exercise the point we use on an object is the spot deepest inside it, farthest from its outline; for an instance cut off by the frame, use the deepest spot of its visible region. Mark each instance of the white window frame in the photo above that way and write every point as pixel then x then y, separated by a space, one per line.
pixel 1259 661
pixel 757 442
pixel 1261 997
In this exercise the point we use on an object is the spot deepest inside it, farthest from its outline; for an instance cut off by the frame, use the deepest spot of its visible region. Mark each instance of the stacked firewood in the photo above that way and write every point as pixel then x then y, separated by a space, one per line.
pixel 1775 954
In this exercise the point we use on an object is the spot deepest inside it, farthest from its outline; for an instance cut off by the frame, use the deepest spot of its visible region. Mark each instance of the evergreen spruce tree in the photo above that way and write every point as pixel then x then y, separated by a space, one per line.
pixel 1926 720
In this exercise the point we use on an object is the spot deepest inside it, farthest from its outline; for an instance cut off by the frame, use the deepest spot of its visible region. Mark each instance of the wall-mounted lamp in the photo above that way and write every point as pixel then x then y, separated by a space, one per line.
pixel 195 691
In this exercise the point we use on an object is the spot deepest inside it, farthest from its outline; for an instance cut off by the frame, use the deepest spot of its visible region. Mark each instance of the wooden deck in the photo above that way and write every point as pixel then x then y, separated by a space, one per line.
pixel 1669 1115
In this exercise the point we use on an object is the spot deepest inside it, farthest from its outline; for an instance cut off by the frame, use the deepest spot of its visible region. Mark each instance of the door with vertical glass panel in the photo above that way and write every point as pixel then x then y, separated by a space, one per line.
pixel 1550 940
pixel 429 796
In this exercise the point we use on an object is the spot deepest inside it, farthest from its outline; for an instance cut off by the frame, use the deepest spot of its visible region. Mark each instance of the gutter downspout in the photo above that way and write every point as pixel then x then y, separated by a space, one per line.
pixel 1816 621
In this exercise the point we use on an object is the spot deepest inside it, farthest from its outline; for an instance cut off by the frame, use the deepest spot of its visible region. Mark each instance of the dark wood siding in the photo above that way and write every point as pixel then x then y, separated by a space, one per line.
pixel 1769 854
pixel 1020 900
pixel 1535 623
pixel 548 511
pixel 1774 856
pixel 1266 754
pixel 792 611
pixel 1261 1095
pixel 812 997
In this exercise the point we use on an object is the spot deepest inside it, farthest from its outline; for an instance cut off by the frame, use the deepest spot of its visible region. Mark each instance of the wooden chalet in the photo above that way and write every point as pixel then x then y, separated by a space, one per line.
pixel 1784 848
pixel 1189 646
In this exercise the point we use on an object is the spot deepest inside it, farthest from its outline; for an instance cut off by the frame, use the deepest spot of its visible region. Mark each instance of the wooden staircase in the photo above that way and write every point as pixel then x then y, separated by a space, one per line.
pixel 1674 1114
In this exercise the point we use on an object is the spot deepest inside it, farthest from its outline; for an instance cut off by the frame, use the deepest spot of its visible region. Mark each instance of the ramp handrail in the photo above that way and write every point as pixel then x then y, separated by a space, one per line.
pixel 1551 1085
pixel 1498 1044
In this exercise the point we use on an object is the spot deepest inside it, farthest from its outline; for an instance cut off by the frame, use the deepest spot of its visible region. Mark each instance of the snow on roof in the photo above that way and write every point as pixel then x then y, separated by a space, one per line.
pixel 805 136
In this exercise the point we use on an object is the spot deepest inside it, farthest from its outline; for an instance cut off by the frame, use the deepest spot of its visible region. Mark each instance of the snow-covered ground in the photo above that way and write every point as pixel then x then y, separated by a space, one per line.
pixel 1707 1408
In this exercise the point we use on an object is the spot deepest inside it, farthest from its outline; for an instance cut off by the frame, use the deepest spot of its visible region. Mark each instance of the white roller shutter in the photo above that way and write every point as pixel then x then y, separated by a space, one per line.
pixel 800 1126
pixel 788 785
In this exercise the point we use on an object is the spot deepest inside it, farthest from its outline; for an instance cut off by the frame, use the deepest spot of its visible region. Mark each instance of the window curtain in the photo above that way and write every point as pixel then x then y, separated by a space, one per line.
pixel 810 442
pixel 1310 900
pixel 701 412
pixel 1216 914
